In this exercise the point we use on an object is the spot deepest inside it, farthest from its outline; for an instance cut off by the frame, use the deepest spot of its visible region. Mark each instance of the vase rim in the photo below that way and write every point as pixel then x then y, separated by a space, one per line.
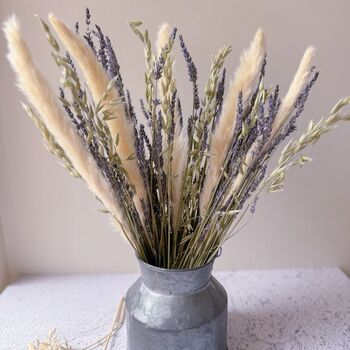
pixel 164 269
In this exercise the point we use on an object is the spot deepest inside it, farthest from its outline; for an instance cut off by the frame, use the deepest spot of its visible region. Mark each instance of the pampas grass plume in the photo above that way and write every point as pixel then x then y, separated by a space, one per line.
pixel 162 37
pixel 286 109
pixel 179 164
pixel 246 76
pixel 295 88
pixel 97 82
pixel 33 85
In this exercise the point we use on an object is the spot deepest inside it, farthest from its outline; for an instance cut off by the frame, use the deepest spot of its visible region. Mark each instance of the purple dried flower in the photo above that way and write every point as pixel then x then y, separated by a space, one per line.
pixel 66 108
pixel 299 105
pixel 274 104
pixel 147 215
pixel 87 16
pixel 219 99
pixel 235 153
pixel 204 141
pixel 196 102
pixel 236 148
pixel 197 114
pixel 173 34
pixel 192 72
pixel 239 117
pixel 190 125
pixel 70 62
pixel 263 68
pixel 262 125
pixel 253 185
pixel 76 119
pixel 130 108
pixel 88 39
pixel 262 74
pixel 141 154
pixel 171 131
pixel 101 53
pixel 156 102
pixel 87 36
pixel 145 112
pixel 159 140
pixel 114 67
pixel 145 138
pixel 179 112
pixel 300 102
pixel 289 128
pixel 159 66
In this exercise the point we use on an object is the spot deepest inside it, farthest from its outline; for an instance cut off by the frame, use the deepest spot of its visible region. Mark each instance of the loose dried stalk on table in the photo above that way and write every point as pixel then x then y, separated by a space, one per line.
pixel 53 342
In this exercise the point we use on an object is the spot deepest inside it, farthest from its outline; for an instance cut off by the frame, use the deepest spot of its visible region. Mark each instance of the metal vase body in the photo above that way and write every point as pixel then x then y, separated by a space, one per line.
pixel 176 310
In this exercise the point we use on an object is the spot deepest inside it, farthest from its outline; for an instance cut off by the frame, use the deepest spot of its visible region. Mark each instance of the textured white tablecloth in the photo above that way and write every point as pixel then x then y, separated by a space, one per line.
pixel 284 309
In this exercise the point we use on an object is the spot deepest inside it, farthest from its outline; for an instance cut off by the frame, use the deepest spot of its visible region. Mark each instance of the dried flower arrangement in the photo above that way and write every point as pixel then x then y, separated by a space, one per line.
pixel 177 189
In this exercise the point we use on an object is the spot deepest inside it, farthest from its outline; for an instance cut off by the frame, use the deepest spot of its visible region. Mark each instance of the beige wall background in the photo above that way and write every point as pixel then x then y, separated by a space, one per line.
pixel 50 220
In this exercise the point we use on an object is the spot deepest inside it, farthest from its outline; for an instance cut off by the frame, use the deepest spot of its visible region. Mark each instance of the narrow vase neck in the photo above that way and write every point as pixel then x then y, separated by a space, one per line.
pixel 170 281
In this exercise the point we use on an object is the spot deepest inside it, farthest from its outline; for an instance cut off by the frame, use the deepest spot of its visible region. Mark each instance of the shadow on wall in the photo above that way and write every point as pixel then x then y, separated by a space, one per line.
pixel 4 275
pixel 345 270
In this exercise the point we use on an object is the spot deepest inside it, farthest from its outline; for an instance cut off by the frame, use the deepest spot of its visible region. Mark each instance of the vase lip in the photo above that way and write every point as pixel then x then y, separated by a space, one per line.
pixel 164 269
pixel 175 281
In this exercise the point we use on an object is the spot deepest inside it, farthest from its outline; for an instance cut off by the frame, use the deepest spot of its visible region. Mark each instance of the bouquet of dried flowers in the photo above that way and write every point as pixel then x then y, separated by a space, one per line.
pixel 177 184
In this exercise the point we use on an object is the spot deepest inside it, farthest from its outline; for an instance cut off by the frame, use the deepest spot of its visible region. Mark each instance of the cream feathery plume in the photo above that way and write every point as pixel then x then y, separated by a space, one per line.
pixel 166 85
pixel 180 144
pixel 162 37
pixel 97 82
pixel 299 81
pixel 162 40
pixel 246 77
pixel 38 92
pixel 178 164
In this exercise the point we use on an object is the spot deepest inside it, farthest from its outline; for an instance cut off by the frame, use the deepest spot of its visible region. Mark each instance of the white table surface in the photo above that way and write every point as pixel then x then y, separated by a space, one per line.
pixel 268 310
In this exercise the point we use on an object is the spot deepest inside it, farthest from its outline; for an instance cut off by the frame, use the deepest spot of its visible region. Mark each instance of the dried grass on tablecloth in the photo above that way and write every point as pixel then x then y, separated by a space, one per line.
pixel 53 341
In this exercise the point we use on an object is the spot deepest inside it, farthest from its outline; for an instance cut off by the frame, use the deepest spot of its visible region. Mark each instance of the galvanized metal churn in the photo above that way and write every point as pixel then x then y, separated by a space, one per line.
pixel 170 309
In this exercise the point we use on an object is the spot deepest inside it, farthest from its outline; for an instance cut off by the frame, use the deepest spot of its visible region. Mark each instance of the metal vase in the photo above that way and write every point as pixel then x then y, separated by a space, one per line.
pixel 176 310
